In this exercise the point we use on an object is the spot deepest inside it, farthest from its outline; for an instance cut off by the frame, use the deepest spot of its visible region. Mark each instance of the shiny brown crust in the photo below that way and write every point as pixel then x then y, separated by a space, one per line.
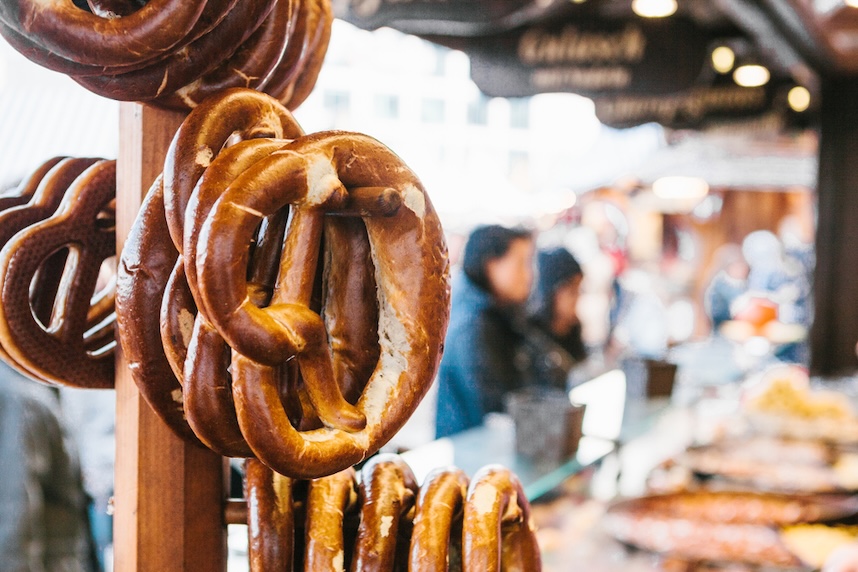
pixel 235 112
pixel 388 490
pixel 208 392
pixel 497 530
pixel 58 354
pixel 236 159
pixel 250 66
pixel 328 500
pixel 271 519
pixel 23 192
pixel 175 54
pixel 295 76
pixel 78 35
pixel 351 322
pixel 200 351
pixel 412 273
pixel 213 13
pixel 35 199
pixel 181 67
pixel 438 515
pixel 147 260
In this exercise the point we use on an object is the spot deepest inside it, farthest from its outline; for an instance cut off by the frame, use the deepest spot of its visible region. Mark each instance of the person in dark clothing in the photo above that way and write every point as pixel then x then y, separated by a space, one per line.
pixel 43 526
pixel 554 344
pixel 479 364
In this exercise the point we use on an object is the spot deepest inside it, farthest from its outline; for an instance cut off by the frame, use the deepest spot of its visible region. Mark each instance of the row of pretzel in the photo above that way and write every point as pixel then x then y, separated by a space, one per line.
pixel 174 53
pixel 303 287
pixel 379 520
pixel 57 234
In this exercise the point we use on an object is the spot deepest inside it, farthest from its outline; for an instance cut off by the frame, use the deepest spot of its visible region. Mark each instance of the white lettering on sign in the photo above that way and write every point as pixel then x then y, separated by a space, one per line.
pixel 571 45
pixel 589 79
pixel 690 106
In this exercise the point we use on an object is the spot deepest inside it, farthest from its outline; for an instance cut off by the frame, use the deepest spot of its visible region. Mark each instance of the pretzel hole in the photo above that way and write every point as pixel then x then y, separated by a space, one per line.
pixel 105 220
pixel 45 285
pixel 100 339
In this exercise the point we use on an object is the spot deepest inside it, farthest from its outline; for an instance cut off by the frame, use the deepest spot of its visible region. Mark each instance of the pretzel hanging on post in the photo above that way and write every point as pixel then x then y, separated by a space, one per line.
pixel 328 171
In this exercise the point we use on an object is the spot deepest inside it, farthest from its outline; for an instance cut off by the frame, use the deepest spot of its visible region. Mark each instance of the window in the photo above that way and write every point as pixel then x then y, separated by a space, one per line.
pixel 336 101
pixel 386 106
pixel 519 113
pixel 478 111
pixel 433 110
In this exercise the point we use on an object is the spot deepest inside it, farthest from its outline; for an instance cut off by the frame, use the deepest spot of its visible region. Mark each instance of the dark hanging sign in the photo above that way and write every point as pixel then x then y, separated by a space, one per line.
pixel 588 57
pixel 444 17
pixel 690 108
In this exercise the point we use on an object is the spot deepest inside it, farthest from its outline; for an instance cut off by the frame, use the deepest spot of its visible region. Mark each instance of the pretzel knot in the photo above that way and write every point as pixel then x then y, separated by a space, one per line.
pixel 326 172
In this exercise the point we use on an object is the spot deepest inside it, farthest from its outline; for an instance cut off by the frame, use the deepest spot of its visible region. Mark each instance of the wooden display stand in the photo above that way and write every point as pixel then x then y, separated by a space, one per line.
pixel 169 495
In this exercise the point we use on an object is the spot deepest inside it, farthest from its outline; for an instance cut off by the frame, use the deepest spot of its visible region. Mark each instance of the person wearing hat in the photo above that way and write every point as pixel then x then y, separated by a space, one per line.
pixel 554 344
pixel 479 366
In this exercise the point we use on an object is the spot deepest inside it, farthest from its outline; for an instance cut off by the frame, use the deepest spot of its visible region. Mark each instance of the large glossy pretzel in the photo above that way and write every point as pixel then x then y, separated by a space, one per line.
pixel 497 530
pixel 69 348
pixel 412 276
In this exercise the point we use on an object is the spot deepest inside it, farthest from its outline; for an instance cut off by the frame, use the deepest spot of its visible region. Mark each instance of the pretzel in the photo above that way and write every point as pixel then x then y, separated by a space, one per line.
pixel 497 530
pixel 387 490
pixel 75 34
pixel 183 66
pixel 411 269
pixel 250 66
pixel 328 499
pixel 57 352
pixel 437 520
pixel 270 519
pixel 144 268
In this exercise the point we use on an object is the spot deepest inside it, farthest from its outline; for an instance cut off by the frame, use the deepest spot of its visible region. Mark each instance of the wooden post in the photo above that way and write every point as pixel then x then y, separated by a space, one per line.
pixel 835 326
pixel 169 495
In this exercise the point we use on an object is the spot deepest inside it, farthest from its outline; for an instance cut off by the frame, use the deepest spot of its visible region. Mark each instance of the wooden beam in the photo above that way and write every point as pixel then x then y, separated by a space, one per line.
pixel 169 495
pixel 835 328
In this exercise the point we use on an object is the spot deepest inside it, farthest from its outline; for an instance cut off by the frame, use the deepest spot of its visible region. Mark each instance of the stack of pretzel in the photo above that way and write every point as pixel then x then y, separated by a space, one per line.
pixel 380 520
pixel 56 233
pixel 174 53
pixel 303 282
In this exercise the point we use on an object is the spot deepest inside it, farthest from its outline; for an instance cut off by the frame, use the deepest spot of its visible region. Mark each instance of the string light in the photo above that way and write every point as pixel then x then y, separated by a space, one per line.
pixel 723 59
pixel 799 97
pixel 751 75
pixel 654 8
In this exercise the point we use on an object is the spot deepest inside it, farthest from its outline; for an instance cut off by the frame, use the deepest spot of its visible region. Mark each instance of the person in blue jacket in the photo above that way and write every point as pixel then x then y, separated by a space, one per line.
pixel 479 364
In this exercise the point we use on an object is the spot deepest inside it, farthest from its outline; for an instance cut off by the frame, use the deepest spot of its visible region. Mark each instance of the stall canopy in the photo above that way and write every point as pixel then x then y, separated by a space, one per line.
pixel 636 69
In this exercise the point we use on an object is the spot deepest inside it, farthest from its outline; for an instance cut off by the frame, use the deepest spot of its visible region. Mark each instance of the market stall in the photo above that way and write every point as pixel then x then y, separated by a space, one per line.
pixel 243 333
